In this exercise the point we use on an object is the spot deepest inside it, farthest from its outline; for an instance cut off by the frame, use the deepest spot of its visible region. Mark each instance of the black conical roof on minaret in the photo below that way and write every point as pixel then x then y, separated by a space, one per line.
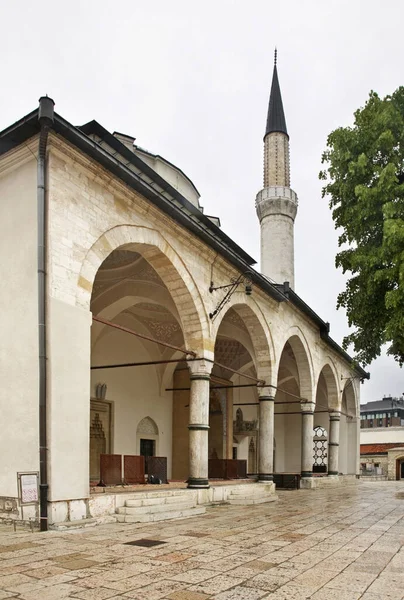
pixel 276 117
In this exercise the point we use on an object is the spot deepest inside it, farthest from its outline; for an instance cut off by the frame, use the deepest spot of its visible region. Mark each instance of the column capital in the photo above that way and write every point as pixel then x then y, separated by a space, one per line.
pixel 200 369
pixel 335 415
pixel 307 407
pixel 265 392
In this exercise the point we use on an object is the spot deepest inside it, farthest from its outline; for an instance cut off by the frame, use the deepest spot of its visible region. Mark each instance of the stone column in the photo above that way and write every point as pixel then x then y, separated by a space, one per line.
pixel 199 423
pixel 266 435
pixel 307 438
pixel 333 443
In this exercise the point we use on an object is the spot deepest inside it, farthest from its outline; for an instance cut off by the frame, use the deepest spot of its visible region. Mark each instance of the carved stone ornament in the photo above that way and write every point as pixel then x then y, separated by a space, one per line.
pixel 147 426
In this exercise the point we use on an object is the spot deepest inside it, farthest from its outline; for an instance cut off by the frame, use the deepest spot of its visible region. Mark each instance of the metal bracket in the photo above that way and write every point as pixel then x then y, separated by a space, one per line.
pixel 245 279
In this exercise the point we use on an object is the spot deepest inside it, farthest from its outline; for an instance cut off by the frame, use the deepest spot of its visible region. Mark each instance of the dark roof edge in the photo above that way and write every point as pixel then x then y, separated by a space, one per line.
pixel 276 131
pixel 111 140
pixel 212 235
pixel 374 453
pixel 324 328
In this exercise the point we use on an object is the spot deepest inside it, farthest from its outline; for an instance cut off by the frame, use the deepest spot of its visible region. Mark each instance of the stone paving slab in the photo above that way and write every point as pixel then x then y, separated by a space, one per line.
pixel 329 544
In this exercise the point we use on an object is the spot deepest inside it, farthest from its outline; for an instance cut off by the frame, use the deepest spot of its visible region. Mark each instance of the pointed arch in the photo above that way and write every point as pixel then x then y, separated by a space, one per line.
pixel 304 362
pixel 260 339
pixel 147 426
pixel 328 372
pixel 348 402
pixel 168 265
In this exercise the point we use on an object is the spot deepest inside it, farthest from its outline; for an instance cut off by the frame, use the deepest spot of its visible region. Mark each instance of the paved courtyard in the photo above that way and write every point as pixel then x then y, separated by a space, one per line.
pixel 340 544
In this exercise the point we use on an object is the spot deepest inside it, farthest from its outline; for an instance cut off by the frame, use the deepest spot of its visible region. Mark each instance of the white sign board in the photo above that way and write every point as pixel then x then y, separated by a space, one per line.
pixel 28 487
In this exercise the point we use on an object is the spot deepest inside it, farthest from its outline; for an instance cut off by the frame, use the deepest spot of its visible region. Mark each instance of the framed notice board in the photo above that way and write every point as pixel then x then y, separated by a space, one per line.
pixel 28 487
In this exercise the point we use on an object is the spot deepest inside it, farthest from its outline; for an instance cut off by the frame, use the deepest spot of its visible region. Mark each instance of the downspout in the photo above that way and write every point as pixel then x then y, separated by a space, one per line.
pixel 45 118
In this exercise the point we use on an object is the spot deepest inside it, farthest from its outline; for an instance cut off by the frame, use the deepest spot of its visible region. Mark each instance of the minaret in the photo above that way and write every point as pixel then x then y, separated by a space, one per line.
pixel 277 203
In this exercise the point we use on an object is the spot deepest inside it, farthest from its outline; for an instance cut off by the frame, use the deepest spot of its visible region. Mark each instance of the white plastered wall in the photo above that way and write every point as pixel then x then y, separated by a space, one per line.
pixel 19 439
pixel 68 400
pixel 135 392
pixel 288 443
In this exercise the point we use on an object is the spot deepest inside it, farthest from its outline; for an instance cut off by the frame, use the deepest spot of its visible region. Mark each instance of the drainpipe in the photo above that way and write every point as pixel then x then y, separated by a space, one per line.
pixel 45 118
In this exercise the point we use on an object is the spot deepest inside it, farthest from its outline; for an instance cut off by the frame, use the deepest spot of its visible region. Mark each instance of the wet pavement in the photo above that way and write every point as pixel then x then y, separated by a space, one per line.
pixel 334 544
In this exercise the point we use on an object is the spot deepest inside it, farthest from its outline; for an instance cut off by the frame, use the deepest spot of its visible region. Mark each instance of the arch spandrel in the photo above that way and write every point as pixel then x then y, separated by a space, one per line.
pixel 261 340
pixel 168 265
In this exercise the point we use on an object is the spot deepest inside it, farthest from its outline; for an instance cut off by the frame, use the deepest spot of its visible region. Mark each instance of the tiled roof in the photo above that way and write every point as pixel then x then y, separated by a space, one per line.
pixel 379 448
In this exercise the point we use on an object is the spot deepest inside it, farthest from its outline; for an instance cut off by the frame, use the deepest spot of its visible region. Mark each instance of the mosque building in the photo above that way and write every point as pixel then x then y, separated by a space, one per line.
pixel 140 341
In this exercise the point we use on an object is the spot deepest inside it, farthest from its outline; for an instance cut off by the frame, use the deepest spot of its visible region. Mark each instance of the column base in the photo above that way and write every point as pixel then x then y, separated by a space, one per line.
pixel 308 483
pixel 197 483
pixel 332 473
pixel 264 477
pixel 307 473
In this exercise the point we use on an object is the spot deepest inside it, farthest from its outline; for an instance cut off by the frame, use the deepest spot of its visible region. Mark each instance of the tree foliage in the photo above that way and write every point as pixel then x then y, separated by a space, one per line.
pixel 364 179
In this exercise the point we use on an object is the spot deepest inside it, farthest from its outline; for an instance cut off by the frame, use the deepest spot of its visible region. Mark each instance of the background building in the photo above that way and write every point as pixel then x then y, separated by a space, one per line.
pixel 382 438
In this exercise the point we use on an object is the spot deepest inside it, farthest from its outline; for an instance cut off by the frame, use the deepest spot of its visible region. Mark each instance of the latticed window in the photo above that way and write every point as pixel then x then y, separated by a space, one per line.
pixel 320 447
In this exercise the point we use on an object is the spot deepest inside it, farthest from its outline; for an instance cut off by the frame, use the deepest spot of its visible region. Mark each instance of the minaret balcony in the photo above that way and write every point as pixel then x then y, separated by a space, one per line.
pixel 276 200
pixel 274 193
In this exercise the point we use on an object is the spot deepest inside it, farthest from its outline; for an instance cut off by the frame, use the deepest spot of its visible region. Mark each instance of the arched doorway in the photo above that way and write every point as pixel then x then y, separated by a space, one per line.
pixel 349 433
pixel 400 468
pixel 147 434
pixel 326 401
pixel 242 357
pixel 293 387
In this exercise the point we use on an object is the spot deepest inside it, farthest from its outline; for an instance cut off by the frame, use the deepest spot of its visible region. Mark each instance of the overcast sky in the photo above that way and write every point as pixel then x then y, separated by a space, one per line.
pixel 191 82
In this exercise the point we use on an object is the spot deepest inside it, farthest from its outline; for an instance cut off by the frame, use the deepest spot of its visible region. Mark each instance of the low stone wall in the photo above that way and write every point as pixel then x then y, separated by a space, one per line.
pixel 313 483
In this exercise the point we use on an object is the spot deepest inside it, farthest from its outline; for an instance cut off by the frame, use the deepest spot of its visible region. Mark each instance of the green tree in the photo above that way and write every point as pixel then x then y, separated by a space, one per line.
pixel 364 179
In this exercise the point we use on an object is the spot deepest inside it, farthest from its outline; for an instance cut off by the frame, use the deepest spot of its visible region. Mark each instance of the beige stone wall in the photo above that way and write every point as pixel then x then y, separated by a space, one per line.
pixel 382 461
pixel 394 455
pixel 92 213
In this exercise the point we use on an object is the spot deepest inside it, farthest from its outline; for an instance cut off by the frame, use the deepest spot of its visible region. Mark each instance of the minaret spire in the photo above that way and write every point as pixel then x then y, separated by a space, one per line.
pixel 277 203
pixel 276 117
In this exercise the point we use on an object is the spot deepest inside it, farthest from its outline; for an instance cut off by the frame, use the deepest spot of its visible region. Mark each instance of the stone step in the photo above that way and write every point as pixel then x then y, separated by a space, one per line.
pixel 79 524
pixel 246 500
pixel 162 499
pixel 254 490
pixel 161 516
pixel 155 508
pixel 160 492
